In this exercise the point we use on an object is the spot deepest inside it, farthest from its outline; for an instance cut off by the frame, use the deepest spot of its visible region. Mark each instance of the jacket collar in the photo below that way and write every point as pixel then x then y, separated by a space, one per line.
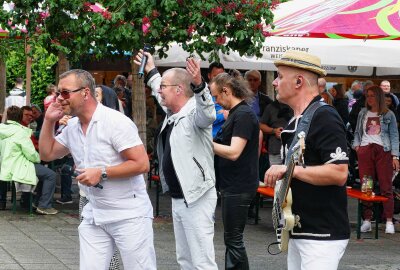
pixel 183 112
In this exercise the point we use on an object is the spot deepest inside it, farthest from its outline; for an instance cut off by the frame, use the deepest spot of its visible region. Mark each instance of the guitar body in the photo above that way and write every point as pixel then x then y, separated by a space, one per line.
pixel 289 222
pixel 283 218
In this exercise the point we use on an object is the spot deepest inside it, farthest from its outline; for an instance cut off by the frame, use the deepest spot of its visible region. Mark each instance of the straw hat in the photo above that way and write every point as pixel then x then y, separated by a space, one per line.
pixel 301 60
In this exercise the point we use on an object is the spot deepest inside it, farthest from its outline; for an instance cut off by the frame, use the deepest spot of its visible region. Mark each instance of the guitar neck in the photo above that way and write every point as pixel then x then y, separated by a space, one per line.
pixel 284 188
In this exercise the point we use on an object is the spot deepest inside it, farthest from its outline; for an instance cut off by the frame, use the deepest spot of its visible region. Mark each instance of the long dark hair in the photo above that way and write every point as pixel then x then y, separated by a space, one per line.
pixel 239 87
pixel 379 97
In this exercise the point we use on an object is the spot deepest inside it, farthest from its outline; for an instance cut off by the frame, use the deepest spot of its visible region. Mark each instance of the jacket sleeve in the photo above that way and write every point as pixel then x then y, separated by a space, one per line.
pixel 357 135
pixel 29 151
pixel 393 135
pixel 205 113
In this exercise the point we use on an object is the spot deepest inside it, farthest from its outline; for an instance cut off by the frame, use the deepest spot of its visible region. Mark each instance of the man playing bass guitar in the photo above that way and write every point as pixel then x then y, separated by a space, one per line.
pixel 321 230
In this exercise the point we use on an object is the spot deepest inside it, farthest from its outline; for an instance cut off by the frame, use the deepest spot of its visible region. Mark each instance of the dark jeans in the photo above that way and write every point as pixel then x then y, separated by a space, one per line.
pixel 234 216
pixel 66 180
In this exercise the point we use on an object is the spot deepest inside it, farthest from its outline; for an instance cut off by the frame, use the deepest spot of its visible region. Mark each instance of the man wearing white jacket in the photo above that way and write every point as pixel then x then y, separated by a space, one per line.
pixel 186 159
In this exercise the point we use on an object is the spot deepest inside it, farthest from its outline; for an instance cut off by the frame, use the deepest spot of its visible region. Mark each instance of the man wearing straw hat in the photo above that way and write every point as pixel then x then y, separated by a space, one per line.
pixel 321 231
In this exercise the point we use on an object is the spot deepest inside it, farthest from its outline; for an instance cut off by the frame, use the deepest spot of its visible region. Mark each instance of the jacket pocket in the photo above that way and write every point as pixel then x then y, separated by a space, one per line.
pixel 200 168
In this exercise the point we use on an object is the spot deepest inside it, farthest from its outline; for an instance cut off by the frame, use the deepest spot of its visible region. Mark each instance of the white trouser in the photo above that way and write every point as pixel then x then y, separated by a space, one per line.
pixel 133 237
pixel 194 232
pixel 306 254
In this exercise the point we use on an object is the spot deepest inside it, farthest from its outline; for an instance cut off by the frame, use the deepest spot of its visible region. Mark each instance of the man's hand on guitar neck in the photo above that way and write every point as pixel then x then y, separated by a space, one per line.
pixel 273 174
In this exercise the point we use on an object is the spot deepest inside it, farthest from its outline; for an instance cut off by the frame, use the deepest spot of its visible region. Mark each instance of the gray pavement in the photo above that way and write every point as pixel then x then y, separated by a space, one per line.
pixel 51 242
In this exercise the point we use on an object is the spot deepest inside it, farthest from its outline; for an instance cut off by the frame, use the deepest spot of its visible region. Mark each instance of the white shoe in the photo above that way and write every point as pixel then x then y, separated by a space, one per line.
pixel 365 226
pixel 389 228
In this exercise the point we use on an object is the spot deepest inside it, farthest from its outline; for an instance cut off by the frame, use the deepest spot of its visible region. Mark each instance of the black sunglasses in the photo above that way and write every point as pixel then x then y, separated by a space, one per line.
pixel 66 93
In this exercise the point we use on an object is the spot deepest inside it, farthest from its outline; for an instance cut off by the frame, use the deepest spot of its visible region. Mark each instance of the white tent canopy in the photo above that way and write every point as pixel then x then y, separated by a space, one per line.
pixel 338 56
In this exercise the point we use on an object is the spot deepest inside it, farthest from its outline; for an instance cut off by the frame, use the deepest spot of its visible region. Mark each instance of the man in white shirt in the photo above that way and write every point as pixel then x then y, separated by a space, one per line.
pixel 111 160
pixel 17 95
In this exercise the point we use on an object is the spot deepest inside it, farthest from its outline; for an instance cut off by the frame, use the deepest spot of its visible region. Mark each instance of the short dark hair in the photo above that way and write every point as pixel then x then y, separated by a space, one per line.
pixel 215 65
pixel 26 108
pixel 19 80
pixel 14 113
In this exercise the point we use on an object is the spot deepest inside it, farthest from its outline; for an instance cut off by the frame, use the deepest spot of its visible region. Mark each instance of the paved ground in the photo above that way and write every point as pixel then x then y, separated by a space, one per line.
pixel 51 242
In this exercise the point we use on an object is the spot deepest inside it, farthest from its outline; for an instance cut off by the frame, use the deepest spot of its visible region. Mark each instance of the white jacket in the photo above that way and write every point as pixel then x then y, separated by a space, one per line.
pixel 191 143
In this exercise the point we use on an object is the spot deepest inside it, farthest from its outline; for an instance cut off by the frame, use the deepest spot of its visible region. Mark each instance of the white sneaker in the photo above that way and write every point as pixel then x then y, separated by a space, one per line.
pixel 365 226
pixel 389 228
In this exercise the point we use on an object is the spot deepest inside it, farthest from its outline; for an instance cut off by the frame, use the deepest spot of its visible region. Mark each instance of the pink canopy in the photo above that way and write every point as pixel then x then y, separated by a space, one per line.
pixel 356 19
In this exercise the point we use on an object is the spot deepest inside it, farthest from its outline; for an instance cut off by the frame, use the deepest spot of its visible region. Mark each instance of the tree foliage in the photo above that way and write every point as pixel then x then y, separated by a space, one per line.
pixel 72 26
pixel 43 70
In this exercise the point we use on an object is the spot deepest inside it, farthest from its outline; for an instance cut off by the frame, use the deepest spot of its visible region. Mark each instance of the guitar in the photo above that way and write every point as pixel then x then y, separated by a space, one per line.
pixel 282 217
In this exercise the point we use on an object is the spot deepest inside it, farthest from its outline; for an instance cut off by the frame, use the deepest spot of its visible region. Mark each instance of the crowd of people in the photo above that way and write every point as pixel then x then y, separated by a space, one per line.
pixel 215 142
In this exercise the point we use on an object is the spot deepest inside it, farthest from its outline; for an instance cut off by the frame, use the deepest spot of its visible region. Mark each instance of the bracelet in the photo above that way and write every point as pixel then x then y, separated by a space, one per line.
pixel 395 157
pixel 273 131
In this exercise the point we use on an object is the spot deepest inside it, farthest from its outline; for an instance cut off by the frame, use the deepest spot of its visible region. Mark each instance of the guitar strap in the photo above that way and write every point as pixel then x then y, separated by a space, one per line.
pixel 303 126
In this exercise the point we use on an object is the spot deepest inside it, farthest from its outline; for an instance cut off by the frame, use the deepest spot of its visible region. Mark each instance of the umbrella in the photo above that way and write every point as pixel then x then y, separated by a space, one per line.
pixel 349 19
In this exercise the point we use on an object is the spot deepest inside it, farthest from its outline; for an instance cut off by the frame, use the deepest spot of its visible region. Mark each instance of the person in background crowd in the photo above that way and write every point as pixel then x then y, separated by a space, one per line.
pixel 359 104
pixel 327 97
pixel 107 151
pixel 322 230
pixel 275 118
pixel 121 99
pixel 213 70
pixel 38 118
pixel 17 95
pixel 51 96
pixel 107 96
pixel 356 86
pixel 390 104
pixel 321 85
pixel 129 82
pixel 120 82
pixel 376 141
pixel 261 100
pixel 19 152
pixel 236 163
pixel 186 163
pixel 340 102
pixel 385 86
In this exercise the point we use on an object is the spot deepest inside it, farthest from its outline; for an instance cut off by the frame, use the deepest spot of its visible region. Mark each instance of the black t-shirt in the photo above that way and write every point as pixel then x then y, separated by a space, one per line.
pixel 171 179
pixel 276 115
pixel 322 209
pixel 240 176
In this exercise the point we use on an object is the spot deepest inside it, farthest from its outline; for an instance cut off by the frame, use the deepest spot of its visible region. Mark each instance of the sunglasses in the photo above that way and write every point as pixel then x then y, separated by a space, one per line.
pixel 66 93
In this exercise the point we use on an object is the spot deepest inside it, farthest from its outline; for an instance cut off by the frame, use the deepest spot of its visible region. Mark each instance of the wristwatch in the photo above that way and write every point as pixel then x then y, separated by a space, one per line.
pixel 104 173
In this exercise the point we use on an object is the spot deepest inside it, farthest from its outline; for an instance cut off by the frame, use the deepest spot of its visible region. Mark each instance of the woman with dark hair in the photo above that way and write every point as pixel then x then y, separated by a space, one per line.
pixel 107 96
pixel 376 141
pixel 236 163
pixel 391 104
pixel 340 102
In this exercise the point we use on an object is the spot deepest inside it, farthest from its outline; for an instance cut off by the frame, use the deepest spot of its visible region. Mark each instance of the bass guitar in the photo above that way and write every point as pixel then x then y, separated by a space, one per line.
pixel 282 217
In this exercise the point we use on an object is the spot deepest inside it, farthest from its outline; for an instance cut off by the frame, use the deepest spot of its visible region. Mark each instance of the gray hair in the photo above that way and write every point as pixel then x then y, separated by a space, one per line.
pixel 84 78
pixel 181 76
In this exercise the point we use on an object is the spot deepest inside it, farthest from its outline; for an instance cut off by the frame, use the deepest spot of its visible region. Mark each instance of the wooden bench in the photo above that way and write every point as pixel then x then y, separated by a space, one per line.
pixel 265 191
pixel 353 193
pixel 362 197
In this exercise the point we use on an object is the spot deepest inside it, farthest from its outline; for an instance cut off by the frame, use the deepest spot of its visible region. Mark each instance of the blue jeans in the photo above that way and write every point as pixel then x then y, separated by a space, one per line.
pixel 47 180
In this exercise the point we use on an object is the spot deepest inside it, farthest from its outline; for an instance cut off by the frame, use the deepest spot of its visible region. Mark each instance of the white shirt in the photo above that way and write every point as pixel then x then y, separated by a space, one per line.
pixel 109 132
pixel 372 129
